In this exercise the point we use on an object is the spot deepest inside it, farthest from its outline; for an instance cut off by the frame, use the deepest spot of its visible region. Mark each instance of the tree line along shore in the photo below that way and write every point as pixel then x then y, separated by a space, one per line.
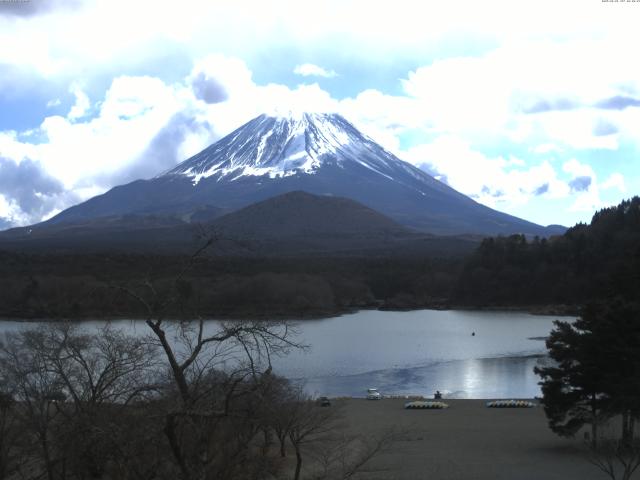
pixel 596 261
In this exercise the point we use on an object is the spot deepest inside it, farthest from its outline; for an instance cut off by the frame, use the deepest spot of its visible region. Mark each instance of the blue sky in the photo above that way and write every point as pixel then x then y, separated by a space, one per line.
pixel 531 108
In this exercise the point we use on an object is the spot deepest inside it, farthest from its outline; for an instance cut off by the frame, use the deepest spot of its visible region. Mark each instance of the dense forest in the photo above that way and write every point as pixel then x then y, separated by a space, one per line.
pixel 593 261
pixel 77 286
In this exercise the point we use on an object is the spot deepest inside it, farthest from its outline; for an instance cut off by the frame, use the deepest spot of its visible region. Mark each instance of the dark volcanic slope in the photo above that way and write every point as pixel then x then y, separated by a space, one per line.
pixel 301 223
pixel 297 214
pixel 130 233
pixel 295 223
pixel 318 153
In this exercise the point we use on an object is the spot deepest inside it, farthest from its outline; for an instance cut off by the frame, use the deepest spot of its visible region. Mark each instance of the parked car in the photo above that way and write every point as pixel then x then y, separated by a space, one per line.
pixel 373 394
pixel 324 402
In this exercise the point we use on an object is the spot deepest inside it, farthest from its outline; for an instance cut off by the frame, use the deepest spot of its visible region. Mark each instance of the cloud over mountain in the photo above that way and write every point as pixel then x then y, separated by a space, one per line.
pixel 511 96
pixel 28 193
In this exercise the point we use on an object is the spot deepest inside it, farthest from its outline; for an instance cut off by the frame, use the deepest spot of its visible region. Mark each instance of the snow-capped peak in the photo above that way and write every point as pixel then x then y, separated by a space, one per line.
pixel 290 114
pixel 292 144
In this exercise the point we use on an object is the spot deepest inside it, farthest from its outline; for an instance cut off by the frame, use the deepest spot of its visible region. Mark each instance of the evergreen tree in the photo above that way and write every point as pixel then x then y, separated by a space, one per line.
pixel 573 389
pixel 596 374
pixel 617 328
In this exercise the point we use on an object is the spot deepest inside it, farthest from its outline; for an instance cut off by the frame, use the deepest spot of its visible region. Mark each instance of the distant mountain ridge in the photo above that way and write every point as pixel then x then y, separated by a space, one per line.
pixel 322 154
pixel 292 224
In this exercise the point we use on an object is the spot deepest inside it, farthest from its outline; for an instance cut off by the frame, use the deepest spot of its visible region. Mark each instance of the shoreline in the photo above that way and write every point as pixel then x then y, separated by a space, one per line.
pixel 422 381
pixel 559 310
pixel 409 397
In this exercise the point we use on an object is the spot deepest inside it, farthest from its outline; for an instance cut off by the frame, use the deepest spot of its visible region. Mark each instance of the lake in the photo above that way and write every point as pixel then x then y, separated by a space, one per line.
pixel 415 352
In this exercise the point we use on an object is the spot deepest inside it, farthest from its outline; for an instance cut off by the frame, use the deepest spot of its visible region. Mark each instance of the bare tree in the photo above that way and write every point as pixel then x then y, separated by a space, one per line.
pixel 218 371
pixel 281 411
pixel 107 367
pixel 10 455
pixel 36 389
pixel 103 374
pixel 309 423
pixel 618 459
pixel 72 389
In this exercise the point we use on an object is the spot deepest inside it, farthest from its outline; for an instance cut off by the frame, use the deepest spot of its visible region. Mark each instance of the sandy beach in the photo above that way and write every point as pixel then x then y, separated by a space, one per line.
pixel 468 441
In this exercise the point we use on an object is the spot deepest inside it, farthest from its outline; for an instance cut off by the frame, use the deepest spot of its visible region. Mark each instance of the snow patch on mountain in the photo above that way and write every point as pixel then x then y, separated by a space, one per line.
pixel 281 146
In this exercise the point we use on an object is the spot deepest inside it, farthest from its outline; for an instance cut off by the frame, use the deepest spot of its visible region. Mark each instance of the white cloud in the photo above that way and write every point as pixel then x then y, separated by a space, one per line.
pixel 6 210
pixel 526 91
pixel 279 99
pixel 577 169
pixel 615 180
pixel 574 130
pixel 584 185
pixel 384 117
pixel 79 150
pixel 587 202
pixel 311 70
pixel 546 148
pixel 81 105
pixel 246 100
pixel 360 28
pixel 492 181
pixel 507 183
pixel 53 102
pixel 11 213
pixel 230 72
pixel 11 148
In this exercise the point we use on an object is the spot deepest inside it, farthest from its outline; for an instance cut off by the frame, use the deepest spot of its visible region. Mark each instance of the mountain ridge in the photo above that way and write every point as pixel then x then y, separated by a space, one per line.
pixel 322 154
pixel 301 213
pixel 292 224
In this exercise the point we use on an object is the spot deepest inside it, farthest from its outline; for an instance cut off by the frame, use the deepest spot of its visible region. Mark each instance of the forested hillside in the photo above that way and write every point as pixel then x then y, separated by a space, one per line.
pixel 588 262
pixel 594 261
pixel 89 286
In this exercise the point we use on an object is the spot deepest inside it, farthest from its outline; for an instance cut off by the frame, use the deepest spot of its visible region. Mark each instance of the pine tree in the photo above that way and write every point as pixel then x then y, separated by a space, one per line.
pixel 596 374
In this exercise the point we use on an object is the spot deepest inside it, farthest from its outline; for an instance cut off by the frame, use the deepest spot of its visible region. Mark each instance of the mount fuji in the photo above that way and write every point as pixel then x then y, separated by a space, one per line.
pixel 322 154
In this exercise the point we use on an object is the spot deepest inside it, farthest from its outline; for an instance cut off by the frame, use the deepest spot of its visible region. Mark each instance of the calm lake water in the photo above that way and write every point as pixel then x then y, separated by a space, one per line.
pixel 416 352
